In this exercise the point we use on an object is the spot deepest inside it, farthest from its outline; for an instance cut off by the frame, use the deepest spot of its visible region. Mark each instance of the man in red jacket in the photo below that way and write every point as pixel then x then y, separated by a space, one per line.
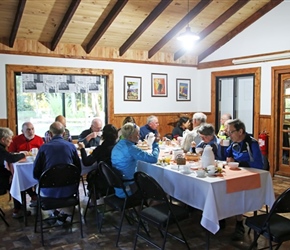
pixel 27 140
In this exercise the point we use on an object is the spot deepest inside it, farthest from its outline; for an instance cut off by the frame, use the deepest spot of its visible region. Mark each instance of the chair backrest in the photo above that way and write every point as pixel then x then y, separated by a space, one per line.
pixel 149 187
pixel 282 203
pixel 113 179
pixel 266 163
pixel 60 175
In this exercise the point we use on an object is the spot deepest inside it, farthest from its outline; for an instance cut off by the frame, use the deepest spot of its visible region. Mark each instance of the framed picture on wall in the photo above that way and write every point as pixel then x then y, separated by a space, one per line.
pixel 132 88
pixel 159 85
pixel 183 89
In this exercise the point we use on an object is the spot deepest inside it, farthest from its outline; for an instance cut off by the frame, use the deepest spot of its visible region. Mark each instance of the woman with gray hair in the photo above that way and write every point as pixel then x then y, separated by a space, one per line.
pixel 5 175
pixel 125 155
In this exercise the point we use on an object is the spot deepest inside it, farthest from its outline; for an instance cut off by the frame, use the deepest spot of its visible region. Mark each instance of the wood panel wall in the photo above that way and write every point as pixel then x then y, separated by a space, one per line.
pixel 3 122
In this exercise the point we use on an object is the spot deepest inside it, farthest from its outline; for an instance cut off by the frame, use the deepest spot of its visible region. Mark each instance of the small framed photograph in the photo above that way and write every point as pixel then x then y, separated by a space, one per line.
pixel 183 89
pixel 132 88
pixel 159 85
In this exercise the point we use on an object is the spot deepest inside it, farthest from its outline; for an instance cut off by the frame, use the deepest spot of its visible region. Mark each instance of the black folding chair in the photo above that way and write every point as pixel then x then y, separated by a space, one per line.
pixel 61 176
pixel 114 202
pixel 160 215
pixel 273 226
pixel 97 188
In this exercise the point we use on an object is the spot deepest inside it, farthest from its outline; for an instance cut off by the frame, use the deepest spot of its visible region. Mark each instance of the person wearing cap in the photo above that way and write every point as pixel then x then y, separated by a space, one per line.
pixel 66 136
pixel 208 137
pixel 193 138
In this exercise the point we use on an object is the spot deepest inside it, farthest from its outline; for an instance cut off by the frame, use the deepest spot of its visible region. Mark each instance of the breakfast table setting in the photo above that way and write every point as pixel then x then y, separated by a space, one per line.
pixel 220 190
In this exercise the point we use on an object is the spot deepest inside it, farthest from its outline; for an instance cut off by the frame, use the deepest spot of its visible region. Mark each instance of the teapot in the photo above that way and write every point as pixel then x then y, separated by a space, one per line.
pixel 207 157
pixel 150 138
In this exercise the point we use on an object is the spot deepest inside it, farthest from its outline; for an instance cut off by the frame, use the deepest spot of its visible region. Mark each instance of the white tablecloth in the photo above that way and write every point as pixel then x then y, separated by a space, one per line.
pixel 23 177
pixel 209 194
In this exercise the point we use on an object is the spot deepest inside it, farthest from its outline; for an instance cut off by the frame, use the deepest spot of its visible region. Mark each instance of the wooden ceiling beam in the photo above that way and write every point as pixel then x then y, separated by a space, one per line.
pixel 214 25
pixel 144 25
pixel 261 12
pixel 64 23
pixel 18 16
pixel 179 26
pixel 106 24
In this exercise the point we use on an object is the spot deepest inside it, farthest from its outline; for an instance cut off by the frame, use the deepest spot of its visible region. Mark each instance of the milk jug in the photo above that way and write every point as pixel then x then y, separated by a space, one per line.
pixel 150 138
pixel 207 157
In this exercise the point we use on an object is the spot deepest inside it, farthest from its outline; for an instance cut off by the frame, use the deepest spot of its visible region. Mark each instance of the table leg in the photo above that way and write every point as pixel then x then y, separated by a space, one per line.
pixel 23 197
pixel 207 239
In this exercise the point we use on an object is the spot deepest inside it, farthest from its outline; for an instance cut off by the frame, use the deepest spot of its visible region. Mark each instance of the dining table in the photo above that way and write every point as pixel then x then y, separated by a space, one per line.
pixel 219 196
pixel 23 179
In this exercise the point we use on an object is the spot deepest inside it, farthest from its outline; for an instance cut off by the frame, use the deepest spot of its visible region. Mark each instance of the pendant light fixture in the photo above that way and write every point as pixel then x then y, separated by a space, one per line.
pixel 188 38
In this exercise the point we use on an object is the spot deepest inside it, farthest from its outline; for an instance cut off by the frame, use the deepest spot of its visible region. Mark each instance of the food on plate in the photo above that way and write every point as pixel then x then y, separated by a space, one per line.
pixel 192 157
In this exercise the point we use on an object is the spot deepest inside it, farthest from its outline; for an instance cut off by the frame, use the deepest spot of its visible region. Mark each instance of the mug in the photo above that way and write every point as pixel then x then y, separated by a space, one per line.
pixel 226 143
pixel 34 151
pixel 200 172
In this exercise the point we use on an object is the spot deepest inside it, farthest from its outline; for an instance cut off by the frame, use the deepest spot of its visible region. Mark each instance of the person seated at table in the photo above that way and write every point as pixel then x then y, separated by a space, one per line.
pixel 208 137
pixel 151 126
pixel 126 120
pixel 5 175
pixel 223 128
pixel 27 140
pixel 67 136
pixel 245 150
pixel 126 154
pixel 100 153
pixel 181 126
pixel 57 151
pixel 197 120
pixel 91 137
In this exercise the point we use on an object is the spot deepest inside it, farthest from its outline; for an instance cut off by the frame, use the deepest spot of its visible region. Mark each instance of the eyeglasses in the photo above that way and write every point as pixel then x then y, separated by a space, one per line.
pixel 231 132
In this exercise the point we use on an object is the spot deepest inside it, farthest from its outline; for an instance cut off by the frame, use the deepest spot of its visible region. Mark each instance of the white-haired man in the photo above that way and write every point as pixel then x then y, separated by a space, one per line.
pixel 151 126
pixel 193 137
pixel 91 137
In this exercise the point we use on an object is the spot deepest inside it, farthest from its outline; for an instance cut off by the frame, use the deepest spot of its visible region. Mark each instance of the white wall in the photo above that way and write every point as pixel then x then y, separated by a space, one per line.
pixel 147 105
pixel 268 34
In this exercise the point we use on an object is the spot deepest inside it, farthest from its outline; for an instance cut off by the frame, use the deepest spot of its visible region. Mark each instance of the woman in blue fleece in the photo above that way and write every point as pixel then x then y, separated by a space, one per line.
pixel 125 155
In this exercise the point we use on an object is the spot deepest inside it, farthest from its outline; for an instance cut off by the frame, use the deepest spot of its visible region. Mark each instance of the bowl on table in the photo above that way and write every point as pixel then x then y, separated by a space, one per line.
pixel 233 165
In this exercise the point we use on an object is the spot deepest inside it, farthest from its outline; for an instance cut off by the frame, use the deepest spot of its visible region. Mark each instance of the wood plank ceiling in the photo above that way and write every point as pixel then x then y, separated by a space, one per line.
pixel 129 25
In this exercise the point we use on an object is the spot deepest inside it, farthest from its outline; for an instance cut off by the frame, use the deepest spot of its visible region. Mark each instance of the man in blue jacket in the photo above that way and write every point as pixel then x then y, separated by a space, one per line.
pixel 245 150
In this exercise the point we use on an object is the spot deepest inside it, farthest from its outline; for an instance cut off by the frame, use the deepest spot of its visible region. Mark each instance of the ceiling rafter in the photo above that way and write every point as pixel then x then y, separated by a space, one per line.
pixel 16 22
pixel 179 26
pixel 64 23
pixel 144 25
pixel 261 12
pixel 106 24
pixel 214 25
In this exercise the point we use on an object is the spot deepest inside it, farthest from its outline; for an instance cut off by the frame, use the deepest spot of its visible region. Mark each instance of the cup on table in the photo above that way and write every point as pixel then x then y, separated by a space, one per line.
pixel 226 143
pixel 186 168
pixel 200 172
pixel 34 151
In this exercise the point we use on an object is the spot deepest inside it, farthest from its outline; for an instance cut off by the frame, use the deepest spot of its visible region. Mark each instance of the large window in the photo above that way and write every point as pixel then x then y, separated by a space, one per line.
pixel 41 97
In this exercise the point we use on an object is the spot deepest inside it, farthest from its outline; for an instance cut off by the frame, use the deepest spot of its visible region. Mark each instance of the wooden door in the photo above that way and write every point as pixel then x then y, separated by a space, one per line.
pixel 284 126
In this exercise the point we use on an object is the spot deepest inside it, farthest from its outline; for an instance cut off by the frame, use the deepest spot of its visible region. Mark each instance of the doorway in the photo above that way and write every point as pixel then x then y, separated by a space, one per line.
pixel 281 123
pixel 254 74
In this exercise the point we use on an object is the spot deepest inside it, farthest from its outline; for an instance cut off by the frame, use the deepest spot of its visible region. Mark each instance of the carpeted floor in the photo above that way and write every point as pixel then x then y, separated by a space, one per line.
pixel 17 236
